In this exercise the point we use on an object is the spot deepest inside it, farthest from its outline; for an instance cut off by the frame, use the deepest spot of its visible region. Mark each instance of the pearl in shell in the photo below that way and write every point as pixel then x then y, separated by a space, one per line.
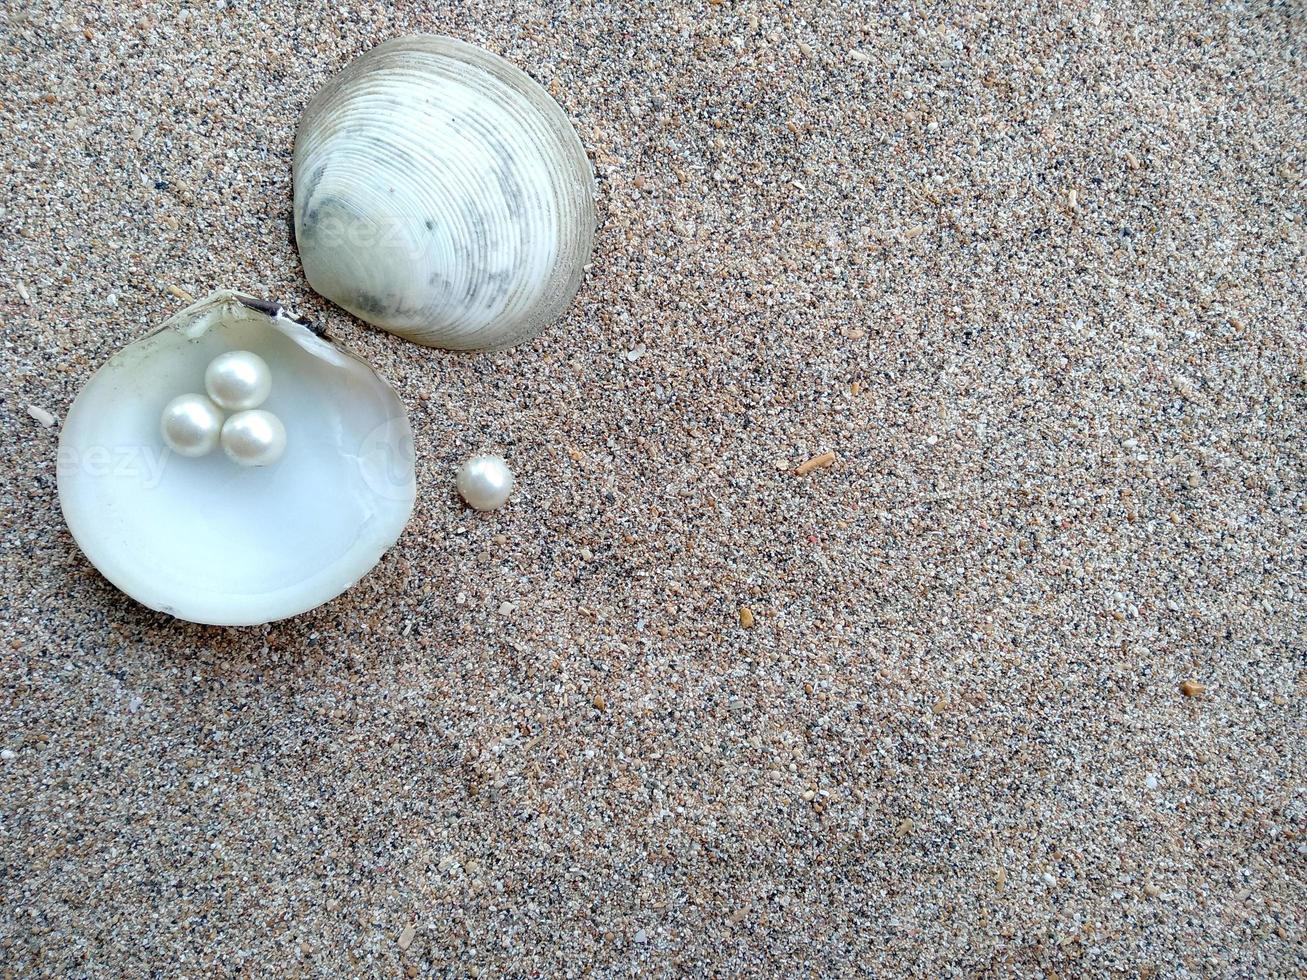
pixel 238 380
pixel 254 438
pixel 485 482
pixel 191 425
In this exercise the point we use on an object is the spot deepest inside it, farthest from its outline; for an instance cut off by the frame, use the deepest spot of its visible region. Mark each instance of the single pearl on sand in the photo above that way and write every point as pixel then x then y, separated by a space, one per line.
pixel 238 380
pixel 253 438
pixel 485 482
pixel 190 425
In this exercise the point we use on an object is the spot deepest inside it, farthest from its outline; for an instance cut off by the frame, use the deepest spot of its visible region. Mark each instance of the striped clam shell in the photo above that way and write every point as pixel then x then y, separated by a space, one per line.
pixel 442 195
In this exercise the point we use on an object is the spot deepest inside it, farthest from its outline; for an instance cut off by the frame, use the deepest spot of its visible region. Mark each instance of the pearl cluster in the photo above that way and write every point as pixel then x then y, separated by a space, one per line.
pixel 237 382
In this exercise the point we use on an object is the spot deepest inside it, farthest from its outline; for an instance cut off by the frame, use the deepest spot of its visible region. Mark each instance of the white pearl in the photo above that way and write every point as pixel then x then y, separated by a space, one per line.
pixel 254 438
pixel 485 482
pixel 238 380
pixel 190 425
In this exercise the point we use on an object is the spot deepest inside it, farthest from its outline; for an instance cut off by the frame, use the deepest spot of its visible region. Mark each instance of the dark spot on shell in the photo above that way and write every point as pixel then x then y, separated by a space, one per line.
pixel 275 309
pixel 498 280
pixel 431 224
pixel 440 286
pixel 368 303
pixel 267 306
pixel 311 186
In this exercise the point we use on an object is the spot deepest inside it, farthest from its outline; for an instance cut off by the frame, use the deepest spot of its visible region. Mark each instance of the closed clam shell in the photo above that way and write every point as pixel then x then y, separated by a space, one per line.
pixel 442 195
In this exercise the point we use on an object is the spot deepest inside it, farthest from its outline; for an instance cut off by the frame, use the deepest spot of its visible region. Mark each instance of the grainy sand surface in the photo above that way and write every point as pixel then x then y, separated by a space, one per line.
pixel 1034 273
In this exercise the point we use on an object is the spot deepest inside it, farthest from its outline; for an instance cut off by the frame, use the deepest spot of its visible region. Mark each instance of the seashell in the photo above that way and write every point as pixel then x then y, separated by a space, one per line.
pixel 442 195
pixel 202 538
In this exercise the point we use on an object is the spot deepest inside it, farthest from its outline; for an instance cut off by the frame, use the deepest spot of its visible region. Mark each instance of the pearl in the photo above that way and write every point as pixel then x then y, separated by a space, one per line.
pixel 485 482
pixel 190 425
pixel 254 438
pixel 238 380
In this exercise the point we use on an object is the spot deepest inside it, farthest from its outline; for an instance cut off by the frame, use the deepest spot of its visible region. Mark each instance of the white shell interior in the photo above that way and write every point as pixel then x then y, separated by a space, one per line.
pixel 212 542
pixel 442 195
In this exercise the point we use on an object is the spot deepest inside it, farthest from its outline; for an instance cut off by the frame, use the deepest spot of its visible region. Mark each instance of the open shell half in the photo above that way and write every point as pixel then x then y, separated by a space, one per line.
pixel 442 195
pixel 211 542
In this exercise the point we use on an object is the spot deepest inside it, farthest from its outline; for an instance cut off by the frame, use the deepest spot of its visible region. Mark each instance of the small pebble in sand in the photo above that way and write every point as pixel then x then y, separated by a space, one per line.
pixel 8 754
pixel 41 415
pixel 816 463
pixel 1192 689
pixel 746 617
pixel 406 935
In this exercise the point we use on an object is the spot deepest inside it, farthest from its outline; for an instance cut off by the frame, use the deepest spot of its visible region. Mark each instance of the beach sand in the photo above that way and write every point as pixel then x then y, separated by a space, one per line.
pixel 1034 276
